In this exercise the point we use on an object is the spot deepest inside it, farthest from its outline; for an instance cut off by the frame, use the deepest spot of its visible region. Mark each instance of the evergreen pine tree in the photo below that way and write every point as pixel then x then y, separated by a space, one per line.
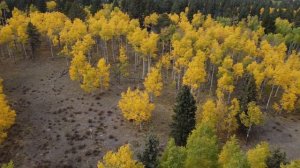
pixel 33 37
pixel 150 153
pixel 276 159
pixel 248 91
pixel 41 5
pixel 247 94
pixel 76 11
pixel 184 118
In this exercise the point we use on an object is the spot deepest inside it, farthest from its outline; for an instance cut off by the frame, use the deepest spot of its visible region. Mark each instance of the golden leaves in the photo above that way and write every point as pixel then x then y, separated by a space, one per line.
pixel 135 105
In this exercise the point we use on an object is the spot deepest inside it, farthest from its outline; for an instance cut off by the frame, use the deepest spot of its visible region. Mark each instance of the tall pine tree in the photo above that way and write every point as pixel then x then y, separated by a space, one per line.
pixel 184 118
pixel 33 38
pixel 150 153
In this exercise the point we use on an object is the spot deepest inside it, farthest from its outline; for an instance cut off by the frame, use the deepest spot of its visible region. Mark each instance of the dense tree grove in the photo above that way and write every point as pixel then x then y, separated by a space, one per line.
pixel 229 61
pixel 7 115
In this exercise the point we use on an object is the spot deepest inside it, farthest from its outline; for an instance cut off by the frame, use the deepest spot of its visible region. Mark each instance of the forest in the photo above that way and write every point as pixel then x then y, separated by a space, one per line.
pixel 150 83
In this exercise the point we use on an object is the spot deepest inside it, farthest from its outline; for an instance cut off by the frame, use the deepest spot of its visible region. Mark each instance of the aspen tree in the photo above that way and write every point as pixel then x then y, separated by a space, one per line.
pixel 254 116
pixel 123 158
pixel 135 105
pixel 7 115
pixel 153 83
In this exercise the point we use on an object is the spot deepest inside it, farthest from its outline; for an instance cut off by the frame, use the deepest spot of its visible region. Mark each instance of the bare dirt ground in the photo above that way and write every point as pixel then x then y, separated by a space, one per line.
pixel 58 125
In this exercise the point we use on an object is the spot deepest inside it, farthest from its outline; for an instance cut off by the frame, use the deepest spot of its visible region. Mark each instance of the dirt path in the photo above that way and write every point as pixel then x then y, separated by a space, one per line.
pixel 58 125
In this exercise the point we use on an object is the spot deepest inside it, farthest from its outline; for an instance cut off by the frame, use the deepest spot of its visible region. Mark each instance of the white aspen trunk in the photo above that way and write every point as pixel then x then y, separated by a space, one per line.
pixel 97 46
pixel 106 51
pixel 229 95
pixel 163 47
pixel 212 80
pixel 8 51
pixel 248 133
pixel 262 86
pixel 149 63
pixel 276 91
pixel 126 44
pixel 51 48
pixel 144 68
pixel 89 56
pixel 24 49
pixel 270 97
pixel 135 61
pixel 178 81
pixel 113 48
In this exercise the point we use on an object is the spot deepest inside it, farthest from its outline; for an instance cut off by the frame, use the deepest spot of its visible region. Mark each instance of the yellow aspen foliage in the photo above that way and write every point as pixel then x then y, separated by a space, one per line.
pixel 136 37
pixel 6 35
pixel 135 105
pixel 225 83
pixel 254 115
pixel 232 156
pixel 182 52
pixel 197 20
pixel 90 79
pixel 149 44
pixel 71 33
pixel 103 73
pixel 78 66
pixel 250 48
pixel 123 158
pixel 166 60
pixel 258 73
pixel 257 157
pixel 7 115
pixel 107 31
pixel 174 18
pixel 230 123
pixel 83 45
pixel 288 100
pixel 238 69
pixel 216 53
pixel 51 5
pixel 196 73
pixel 153 82
pixel 18 23
pixel 208 113
pixel 123 62
pixel 152 19
pixel 293 164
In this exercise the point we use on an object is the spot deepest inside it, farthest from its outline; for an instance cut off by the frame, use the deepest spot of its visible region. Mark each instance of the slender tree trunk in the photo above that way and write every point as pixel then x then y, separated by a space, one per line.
pixel 212 80
pixel 144 68
pixel 229 95
pixel 51 48
pixel 106 51
pixel 2 52
pixel 135 61
pixel 24 49
pixel 113 48
pixel 97 46
pixel 248 133
pixel 149 63
pixel 8 51
pixel 163 47
pixel 277 91
pixel 89 56
pixel 270 97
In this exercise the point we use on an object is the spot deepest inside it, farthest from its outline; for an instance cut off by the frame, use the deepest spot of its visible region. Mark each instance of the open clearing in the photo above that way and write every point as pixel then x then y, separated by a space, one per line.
pixel 58 125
